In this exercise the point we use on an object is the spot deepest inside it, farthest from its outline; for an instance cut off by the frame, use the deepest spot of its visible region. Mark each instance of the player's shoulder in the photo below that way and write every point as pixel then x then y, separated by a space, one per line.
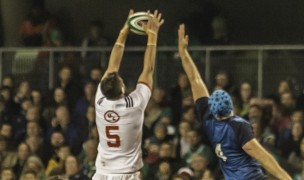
pixel 238 119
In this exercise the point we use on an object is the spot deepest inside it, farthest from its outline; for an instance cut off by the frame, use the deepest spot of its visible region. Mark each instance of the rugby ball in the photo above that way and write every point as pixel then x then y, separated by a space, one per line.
pixel 135 22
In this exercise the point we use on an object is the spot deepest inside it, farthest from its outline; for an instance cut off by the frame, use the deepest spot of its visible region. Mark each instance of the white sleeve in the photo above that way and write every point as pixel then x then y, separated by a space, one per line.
pixel 144 93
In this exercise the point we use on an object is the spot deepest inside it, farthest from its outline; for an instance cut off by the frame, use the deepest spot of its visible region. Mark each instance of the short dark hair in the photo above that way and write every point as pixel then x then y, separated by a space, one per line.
pixel 111 86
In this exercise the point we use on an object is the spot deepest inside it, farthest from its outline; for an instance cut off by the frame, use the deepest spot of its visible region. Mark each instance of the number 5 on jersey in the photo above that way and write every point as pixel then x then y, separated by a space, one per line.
pixel 114 139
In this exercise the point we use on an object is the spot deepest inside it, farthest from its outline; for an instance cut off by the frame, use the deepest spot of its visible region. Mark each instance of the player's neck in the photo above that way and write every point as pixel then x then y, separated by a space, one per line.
pixel 222 118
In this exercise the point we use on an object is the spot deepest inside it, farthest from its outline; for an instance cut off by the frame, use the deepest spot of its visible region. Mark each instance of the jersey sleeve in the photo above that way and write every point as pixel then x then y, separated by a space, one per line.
pixel 144 93
pixel 243 131
pixel 202 108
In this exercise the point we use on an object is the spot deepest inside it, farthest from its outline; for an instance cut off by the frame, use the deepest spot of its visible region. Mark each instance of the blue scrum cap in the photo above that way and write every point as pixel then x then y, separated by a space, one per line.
pixel 220 103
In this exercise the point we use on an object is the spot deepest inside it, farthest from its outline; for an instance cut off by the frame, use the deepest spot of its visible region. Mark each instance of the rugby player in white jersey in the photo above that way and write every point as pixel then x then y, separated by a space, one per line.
pixel 119 117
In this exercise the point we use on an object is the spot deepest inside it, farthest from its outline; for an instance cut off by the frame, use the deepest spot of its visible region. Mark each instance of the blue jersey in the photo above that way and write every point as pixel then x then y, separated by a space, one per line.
pixel 227 138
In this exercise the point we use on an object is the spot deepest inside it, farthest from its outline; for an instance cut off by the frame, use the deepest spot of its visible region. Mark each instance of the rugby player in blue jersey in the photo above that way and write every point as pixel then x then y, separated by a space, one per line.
pixel 240 154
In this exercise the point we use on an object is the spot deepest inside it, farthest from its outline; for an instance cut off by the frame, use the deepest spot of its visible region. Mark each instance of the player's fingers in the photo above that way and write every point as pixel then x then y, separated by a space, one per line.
pixel 187 38
pixel 161 22
pixel 159 16
pixel 131 12
pixel 155 13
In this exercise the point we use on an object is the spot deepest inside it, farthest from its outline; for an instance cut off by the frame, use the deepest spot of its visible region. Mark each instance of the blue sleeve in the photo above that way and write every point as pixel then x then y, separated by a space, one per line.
pixel 243 132
pixel 202 108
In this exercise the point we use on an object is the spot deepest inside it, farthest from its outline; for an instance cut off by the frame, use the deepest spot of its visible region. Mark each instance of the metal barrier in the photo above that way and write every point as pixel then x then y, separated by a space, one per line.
pixel 263 65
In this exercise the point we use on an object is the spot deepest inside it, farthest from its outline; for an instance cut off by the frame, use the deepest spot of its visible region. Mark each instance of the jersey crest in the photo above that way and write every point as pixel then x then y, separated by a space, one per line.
pixel 111 116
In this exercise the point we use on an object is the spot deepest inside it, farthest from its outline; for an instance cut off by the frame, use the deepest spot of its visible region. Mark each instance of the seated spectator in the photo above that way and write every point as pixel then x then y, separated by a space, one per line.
pixel 8 81
pixel 296 157
pixel 223 81
pixel 71 87
pixel 181 90
pixel 59 98
pixel 23 152
pixel 34 163
pixel 30 175
pixel 37 99
pixel 163 171
pixel 6 130
pixel 57 139
pixel 73 170
pixel 159 136
pixel 288 103
pixel 199 164
pixel 196 147
pixel 88 98
pixel 88 157
pixel 245 95
pixel 208 174
pixel 23 92
pixel 182 147
pixel 63 122
pixel 96 75
pixel 7 174
pixel 293 140
pixel 7 157
pixel 56 163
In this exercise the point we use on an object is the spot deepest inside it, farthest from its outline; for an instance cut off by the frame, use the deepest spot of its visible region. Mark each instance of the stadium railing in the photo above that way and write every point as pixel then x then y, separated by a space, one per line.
pixel 262 65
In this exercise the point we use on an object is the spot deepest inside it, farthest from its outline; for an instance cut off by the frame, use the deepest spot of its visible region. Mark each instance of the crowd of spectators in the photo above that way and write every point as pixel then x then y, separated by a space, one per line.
pixel 45 135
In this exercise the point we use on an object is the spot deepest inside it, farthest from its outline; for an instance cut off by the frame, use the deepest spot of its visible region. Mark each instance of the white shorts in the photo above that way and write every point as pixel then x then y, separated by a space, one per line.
pixel 133 176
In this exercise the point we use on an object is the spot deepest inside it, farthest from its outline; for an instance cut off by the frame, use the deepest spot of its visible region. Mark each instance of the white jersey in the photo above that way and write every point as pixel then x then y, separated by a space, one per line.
pixel 119 125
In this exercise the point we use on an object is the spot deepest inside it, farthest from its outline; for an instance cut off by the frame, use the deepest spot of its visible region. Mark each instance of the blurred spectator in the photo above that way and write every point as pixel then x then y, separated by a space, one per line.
pixel 245 94
pixel 159 136
pixel 56 163
pixel 73 170
pixel 88 157
pixel 56 140
pixel 94 38
pixel 181 90
pixel 7 174
pixel 164 171
pixel 30 175
pixel 6 131
pixel 87 123
pixel 23 152
pixel 71 88
pixel 34 164
pixel 59 98
pixel 8 81
pixel 199 164
pixel 96 75
pixel 223 81
pixel 196 147
pixel 292 142
pixel 208 175
pixel 34 27
pixel 23 92
pixel 182 147
pixel 37 99
pixel 62 121
pixel 296 157
pixel 219 31
pixel 88 98
pixel 288 103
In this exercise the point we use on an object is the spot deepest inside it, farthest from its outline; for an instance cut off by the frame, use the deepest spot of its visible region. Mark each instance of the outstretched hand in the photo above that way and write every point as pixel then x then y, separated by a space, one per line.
pixel 126 26
pixel 183 39
pixel 154 22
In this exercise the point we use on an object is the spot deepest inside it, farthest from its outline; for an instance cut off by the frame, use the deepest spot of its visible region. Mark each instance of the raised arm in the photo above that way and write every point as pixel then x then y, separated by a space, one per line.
pixel 118 50
pixel 197 85
pixel 151 28
pixel 255 150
